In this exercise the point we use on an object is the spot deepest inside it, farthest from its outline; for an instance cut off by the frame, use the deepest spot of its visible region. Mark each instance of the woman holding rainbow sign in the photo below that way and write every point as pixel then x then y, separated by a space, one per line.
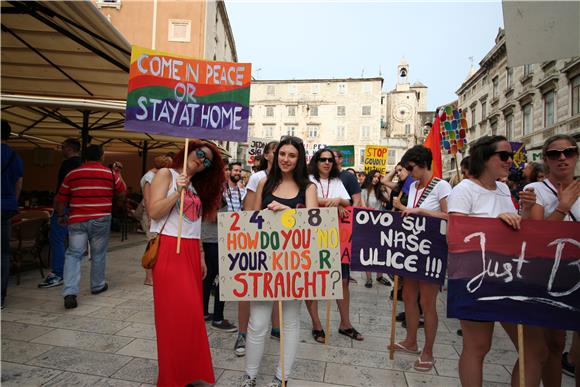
pixel 182 344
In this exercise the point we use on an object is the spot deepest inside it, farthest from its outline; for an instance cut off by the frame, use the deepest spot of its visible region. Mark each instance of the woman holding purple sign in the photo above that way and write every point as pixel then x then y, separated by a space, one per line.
pixel 557 198
pixel 428 197
pixel 482 195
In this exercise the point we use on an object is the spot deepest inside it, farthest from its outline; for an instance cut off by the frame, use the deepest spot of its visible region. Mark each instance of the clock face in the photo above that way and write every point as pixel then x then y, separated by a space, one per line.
pixel 402 112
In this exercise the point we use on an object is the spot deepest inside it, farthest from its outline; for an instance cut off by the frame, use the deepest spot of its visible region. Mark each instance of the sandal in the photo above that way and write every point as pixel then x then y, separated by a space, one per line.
pixel 423 366
pixel 319 334
pixel 402 348
pixel 383 280
pixel 369 284
pixel 352 333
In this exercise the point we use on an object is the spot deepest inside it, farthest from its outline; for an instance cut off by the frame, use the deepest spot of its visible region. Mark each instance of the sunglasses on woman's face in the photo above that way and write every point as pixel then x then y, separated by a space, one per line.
pixel 555 154
pixel 504 155
pixel 201 155
pixel 326 160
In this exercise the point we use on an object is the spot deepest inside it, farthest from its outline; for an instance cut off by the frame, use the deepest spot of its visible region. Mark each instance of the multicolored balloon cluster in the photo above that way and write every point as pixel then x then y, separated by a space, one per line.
pixel 453 127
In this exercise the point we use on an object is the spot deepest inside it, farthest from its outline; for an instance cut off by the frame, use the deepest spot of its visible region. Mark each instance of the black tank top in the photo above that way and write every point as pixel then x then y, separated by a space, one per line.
pixel 299 201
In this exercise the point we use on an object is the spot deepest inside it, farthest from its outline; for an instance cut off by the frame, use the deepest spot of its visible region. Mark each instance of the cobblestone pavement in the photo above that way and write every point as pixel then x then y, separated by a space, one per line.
pixel 109 340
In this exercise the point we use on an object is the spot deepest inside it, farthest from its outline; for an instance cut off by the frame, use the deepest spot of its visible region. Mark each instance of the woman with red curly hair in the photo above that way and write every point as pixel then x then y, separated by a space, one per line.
pixel 182 345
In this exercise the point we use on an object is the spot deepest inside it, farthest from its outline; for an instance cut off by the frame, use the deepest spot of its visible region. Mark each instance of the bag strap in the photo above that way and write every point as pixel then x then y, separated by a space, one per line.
pixel 428 190
pixel 167 218
pixel 556 195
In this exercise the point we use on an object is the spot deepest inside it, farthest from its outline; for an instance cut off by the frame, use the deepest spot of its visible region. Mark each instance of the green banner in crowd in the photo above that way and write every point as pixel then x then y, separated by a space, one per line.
pixel 347 154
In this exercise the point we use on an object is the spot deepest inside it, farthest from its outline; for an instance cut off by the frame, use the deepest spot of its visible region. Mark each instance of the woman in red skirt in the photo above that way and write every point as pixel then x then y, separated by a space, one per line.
pixel 182 345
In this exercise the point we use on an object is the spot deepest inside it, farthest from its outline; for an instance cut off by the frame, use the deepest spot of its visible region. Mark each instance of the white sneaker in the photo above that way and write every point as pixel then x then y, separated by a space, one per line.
pixel 275 383
pixel 240 346
pixel 248 382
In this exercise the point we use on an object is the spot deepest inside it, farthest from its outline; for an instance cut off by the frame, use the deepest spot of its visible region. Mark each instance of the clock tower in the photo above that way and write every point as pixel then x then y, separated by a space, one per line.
pixel 403 72
pixel 404 113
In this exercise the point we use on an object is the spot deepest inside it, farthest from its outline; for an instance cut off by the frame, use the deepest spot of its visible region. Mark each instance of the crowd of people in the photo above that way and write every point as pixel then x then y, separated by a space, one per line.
pixel 285 180
pixel 203 184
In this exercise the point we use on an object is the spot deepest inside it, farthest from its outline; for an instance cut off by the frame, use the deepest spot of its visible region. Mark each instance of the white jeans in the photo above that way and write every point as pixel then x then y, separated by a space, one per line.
pixel 258 327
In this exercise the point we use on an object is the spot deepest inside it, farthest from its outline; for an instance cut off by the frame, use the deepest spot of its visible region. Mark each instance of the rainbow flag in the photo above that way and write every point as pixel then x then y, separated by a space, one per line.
pixel 453 127
pixel 185 97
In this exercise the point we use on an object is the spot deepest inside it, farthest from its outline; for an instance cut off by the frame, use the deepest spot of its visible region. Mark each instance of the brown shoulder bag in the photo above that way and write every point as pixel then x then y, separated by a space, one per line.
pixel 150 255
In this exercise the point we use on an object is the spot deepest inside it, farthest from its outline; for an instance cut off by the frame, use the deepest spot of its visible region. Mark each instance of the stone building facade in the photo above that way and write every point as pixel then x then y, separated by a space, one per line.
pixel 353 111
pixel 320 111
pixel 526 104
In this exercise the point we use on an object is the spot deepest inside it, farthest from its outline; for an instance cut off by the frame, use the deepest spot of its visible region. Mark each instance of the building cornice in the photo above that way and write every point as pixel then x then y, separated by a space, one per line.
pixel 526 97
pixel 495 54
pixel 572 67
pixel 549 83
pixel 318 80
pixel 508 108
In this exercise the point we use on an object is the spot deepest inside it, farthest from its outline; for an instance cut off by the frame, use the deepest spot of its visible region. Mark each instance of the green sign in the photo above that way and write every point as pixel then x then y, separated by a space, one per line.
pixel 347 154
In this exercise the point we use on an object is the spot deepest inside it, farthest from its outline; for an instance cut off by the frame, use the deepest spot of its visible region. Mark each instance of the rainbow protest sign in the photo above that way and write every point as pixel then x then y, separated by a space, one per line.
pixel 185 97
pixel 453 127
pixel 286 255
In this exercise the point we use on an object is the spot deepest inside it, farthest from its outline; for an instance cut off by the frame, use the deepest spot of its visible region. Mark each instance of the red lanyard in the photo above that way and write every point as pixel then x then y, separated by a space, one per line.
pixel 417 197
pixel 327 188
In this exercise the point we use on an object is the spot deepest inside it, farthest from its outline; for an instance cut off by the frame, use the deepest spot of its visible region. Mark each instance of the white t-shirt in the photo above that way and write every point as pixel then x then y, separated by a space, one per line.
pixel 370 200
pixel 432 202
pixel 470 198
pixel 547 199
pixel 147 178
pixel 330 189
pixel 255 179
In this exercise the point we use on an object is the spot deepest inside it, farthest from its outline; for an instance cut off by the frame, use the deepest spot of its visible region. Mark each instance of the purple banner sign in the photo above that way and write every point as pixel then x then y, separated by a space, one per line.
pixel 411 246
pixel 530 276
pixel 520 156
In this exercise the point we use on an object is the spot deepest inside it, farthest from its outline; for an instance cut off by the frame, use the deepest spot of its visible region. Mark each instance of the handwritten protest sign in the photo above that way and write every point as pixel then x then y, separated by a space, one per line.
pixel 520 156
pixel 255 148
pixel 345 227
pixel 411 246
pixel 287 255
pixel 185 97
pixel 312 148
pixel 347 154
pixel 376 158
pixel 531 276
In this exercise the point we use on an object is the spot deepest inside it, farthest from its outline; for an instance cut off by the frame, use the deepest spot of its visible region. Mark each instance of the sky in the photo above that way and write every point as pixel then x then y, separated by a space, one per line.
pixel 305 40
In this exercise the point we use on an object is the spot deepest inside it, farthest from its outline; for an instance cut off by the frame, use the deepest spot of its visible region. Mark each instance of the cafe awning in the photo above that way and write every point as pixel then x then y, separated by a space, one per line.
pixel 62 49
pixel 64 68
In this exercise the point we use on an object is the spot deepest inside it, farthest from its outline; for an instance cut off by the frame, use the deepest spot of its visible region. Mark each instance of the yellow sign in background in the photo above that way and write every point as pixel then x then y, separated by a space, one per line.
pixel 376 158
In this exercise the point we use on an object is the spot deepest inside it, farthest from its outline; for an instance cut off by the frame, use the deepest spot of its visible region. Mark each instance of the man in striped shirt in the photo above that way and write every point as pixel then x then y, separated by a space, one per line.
pixel 234 194
pixel 88 191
